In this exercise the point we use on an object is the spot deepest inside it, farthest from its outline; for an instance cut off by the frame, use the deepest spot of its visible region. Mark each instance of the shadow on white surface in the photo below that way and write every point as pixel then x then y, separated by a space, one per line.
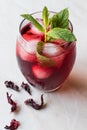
pixel 73 98
pixel 77 80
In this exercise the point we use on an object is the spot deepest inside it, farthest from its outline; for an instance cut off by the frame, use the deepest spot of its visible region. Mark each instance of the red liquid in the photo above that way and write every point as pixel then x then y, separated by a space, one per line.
pixel 43 77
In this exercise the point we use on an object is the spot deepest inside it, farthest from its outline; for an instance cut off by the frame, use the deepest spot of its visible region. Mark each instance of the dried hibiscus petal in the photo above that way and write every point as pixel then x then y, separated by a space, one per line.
pixel 12 85
pixel 26 87
pixel 11 102
pixel 14 124
pixel 33 104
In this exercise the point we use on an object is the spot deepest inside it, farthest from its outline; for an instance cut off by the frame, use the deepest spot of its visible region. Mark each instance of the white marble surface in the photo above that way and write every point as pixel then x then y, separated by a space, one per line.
pixel 66 108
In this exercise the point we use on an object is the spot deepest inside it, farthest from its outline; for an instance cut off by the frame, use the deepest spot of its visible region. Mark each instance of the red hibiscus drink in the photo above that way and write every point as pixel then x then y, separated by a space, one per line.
pixel 45 61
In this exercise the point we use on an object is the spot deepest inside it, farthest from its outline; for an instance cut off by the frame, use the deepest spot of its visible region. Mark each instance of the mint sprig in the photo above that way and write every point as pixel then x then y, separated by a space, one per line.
pixel 60 19
pixel 34 22
pixel 59 33
pixel 58 26
pixel 43 59
pixel 45 17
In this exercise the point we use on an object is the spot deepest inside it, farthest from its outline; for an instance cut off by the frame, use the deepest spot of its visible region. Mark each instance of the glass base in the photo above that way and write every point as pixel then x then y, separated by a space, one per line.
pixel 48 91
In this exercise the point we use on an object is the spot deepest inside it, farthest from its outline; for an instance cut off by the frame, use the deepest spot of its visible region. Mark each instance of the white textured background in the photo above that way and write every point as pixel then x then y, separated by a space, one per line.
pixel 66 108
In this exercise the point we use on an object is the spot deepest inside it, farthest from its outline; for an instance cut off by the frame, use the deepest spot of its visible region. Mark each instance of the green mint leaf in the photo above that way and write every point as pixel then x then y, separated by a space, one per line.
pixel 60 19
pixel 45 16
pixel 60 33
pixel 34 22
pixel 43 59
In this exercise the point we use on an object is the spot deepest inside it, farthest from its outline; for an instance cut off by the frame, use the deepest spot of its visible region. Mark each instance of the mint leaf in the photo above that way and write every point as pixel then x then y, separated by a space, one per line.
pixel 34 21
pixel 42 59
pixel 59 33
pixel 60 19
pixel 45 15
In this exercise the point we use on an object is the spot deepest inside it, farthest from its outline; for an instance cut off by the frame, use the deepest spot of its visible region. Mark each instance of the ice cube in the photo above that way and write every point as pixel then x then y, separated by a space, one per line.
pixel 51 49
pixel 34 29
pixel 30 46
pixel 27 51
pixel 20 51
pixel 26 37
pixel 41 72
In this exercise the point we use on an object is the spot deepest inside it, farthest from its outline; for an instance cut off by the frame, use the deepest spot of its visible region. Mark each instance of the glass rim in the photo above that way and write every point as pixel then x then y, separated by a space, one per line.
pixel 37 12
pixel 25 41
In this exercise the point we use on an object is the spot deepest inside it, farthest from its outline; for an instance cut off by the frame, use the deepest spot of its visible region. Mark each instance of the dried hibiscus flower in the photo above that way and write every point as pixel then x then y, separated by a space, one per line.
pixel 26 87
pixel 33 104
pixel 12 85
pixel 11 102
pixel 14 124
